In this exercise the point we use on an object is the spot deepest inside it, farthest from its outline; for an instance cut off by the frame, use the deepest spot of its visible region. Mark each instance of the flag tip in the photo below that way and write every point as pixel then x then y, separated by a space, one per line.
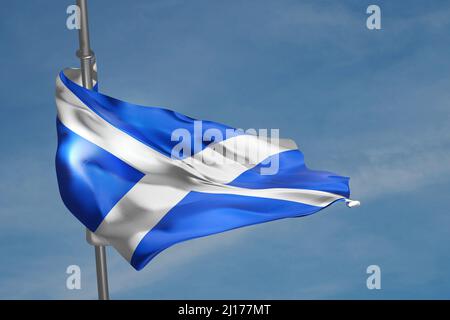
pixel 352 203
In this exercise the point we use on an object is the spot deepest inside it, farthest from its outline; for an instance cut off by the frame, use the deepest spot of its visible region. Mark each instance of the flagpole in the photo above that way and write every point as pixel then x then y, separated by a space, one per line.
pixel 86 56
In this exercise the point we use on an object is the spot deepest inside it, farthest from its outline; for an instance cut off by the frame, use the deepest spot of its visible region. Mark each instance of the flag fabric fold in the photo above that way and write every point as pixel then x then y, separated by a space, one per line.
pixel 118 174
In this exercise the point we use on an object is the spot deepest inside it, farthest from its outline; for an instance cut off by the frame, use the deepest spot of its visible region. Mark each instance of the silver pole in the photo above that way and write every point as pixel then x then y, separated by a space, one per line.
pixel 86 58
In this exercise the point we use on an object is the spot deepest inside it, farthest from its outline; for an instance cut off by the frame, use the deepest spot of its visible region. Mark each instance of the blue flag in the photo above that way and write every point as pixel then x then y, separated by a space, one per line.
pixel 145 178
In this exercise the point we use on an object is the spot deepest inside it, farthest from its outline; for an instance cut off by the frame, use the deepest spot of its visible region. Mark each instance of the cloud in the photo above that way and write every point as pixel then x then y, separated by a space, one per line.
pixel 401 169
pixel 371 106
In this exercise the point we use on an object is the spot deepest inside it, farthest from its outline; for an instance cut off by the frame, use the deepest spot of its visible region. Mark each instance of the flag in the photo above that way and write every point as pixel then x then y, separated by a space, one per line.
pixel 146 178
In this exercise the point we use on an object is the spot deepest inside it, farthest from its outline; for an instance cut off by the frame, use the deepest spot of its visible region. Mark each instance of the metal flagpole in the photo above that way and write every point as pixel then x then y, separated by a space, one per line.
pixel 86 56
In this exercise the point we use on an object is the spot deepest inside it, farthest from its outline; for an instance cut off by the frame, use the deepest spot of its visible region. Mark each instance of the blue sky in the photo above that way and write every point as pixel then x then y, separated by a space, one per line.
pixel 372 105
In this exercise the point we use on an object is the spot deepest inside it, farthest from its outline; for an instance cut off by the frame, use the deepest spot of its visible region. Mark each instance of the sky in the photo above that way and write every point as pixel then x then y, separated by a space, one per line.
pixel 369 104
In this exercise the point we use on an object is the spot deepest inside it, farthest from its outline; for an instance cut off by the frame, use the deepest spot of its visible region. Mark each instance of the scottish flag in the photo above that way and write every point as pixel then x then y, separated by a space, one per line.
pixel 130 174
